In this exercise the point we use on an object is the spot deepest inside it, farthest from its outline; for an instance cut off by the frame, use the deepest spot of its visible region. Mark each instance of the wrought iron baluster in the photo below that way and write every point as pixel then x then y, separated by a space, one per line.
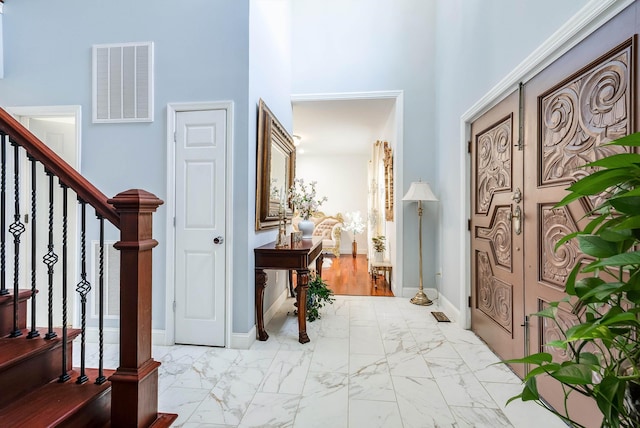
pixel 64 376
pixel 101 378
pixel 33 332
pixel 50 259
pixel 83 288
pixel 3 218
pixel 16 229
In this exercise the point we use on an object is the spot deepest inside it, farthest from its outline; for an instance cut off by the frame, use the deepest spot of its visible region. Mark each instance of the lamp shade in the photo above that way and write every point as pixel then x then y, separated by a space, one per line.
pixel 419 191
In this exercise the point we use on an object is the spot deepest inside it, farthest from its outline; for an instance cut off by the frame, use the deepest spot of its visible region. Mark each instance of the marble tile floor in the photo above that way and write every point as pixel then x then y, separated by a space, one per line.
pixel 371 362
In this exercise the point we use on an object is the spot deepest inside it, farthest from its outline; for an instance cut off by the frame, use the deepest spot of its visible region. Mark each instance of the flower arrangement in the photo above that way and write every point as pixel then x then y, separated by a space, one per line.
pixel 379 243
pixel 304 198
pixel 354 223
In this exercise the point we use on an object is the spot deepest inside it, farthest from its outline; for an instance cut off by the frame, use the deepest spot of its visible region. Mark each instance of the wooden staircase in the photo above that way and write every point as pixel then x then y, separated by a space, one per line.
pixel 32 395
pixel 38 385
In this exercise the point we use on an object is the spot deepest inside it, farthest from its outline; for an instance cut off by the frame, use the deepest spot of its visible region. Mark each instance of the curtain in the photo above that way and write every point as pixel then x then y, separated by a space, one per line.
pixel 376 209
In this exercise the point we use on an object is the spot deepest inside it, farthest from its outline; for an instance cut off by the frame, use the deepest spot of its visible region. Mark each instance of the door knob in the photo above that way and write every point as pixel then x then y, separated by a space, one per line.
pixel 516 217
pixel 218 240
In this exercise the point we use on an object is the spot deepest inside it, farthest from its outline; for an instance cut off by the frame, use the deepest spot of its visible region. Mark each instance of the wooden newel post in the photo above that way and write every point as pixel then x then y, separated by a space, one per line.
pixel 134 396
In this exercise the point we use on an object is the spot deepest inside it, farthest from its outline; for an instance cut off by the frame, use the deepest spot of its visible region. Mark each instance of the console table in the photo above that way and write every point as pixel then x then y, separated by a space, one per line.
pixel 296 258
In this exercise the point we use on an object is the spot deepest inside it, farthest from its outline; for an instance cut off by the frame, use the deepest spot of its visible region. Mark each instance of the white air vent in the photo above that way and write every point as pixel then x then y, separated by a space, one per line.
pixel 111 280
pixel 123 82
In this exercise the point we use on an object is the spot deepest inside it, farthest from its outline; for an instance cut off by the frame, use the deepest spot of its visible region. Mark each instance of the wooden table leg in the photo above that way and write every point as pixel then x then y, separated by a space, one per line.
pixel 319 261
pixel 301 300
pixel 291 283
pixel 261 283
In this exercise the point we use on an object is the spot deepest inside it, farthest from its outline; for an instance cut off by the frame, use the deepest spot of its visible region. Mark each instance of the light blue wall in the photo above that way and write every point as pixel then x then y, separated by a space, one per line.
pixel 444 55
pixel 201 54
pixel 479 43
pixel 269 79
pixel 379 45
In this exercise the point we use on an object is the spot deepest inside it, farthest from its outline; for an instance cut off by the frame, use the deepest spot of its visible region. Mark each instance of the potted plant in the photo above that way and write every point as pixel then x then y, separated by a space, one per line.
pixel 318 295
pixel 306 202
pixel 603 345
pixel 379 245
pixel 355 225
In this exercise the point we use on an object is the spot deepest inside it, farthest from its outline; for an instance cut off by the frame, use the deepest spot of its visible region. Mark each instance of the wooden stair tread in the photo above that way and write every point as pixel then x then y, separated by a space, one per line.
pixel 13 350
pixel 52 403
pixel 23 294
pixel 164 420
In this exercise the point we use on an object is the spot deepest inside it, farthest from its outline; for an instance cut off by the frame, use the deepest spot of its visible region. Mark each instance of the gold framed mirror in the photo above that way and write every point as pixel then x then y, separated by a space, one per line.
pixel 275 164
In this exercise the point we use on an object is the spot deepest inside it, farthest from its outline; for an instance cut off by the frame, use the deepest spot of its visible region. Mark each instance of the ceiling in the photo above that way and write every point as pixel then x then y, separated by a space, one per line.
pixel 341 126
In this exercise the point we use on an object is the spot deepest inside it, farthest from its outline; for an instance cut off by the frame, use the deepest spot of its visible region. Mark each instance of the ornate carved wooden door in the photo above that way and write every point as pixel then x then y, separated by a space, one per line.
pixel 571 110
pixel 567 126
pixel 496 230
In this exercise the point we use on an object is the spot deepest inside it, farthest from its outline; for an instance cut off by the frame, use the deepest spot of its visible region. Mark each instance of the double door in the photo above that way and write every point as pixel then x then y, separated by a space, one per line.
pixel 525 152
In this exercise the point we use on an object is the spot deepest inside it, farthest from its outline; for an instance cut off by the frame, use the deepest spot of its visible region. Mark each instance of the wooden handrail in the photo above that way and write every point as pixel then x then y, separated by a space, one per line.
pixel 58 167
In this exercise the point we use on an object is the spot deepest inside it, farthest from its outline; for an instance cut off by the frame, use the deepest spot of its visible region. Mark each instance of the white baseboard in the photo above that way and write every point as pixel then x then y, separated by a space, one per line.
pixel 243 340
pixel 450 310
pixel 111 335
pixel 438 299
pixel 270 313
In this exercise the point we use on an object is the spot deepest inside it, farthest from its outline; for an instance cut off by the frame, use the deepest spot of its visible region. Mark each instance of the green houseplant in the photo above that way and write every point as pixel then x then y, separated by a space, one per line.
pixel 318 295
pixel 603 345
pixel 379 244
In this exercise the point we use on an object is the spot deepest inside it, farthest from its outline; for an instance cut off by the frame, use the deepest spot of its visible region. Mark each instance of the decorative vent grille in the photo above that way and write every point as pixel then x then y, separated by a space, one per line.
pixel 111 280
pixel 123 82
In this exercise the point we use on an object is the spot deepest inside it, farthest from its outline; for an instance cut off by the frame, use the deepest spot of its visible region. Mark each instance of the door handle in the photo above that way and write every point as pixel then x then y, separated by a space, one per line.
pixel 516 217
pixel 218 240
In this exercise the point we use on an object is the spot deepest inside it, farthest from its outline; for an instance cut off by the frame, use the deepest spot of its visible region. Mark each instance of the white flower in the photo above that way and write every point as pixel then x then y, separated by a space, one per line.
pixel 354 223
pixel 304 198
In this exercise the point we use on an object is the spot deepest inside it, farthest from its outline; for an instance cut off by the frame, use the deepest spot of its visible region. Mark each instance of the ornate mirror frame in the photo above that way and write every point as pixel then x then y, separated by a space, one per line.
pixel 275 165
pixel 388 182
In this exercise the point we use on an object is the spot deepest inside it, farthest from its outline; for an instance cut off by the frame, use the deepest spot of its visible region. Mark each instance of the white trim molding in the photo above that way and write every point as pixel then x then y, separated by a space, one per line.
pixel 591 17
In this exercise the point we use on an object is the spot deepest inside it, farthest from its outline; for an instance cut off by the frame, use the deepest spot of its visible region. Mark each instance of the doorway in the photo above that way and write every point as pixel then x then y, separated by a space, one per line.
pixel 336 137
pixel 58 127
pixel 198 248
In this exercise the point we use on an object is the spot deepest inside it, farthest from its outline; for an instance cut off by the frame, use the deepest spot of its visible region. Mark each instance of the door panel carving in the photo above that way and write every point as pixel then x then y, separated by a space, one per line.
pixel 495 297
pixel 493 163
pixel 557 264
pixel 498 234
pixel 550 331
pixel 578 117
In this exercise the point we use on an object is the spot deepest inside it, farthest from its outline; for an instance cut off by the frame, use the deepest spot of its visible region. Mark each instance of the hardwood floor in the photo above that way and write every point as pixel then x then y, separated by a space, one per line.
pixel 350 276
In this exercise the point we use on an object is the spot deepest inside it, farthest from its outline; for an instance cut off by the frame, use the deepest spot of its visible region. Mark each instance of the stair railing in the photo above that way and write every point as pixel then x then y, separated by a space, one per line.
pixel 134 398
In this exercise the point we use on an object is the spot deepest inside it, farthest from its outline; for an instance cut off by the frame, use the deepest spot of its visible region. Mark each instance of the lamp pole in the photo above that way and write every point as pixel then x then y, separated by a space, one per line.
pixel 420 298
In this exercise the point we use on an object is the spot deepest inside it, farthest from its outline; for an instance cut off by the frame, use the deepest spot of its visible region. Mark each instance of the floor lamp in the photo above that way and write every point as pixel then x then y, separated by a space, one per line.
pixel 420 191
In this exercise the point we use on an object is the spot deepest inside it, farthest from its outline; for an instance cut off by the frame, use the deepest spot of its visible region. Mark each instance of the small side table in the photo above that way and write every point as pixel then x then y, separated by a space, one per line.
pixel 381 267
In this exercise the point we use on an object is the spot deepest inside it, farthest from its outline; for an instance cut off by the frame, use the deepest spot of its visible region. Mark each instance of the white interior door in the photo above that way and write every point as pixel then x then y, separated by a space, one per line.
pixel 200 227
pixel 59 134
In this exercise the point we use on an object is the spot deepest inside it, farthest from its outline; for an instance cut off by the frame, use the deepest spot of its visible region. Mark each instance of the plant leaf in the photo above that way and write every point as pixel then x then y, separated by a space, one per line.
pixel 530 391
pixel 626 204
pixel 589 358
pixel 624 259
pixel 595 246
pixel 574 374
pixel 599 181
pixel 612 390
pixel 537 359
pixel 620 160
pixel 632 140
